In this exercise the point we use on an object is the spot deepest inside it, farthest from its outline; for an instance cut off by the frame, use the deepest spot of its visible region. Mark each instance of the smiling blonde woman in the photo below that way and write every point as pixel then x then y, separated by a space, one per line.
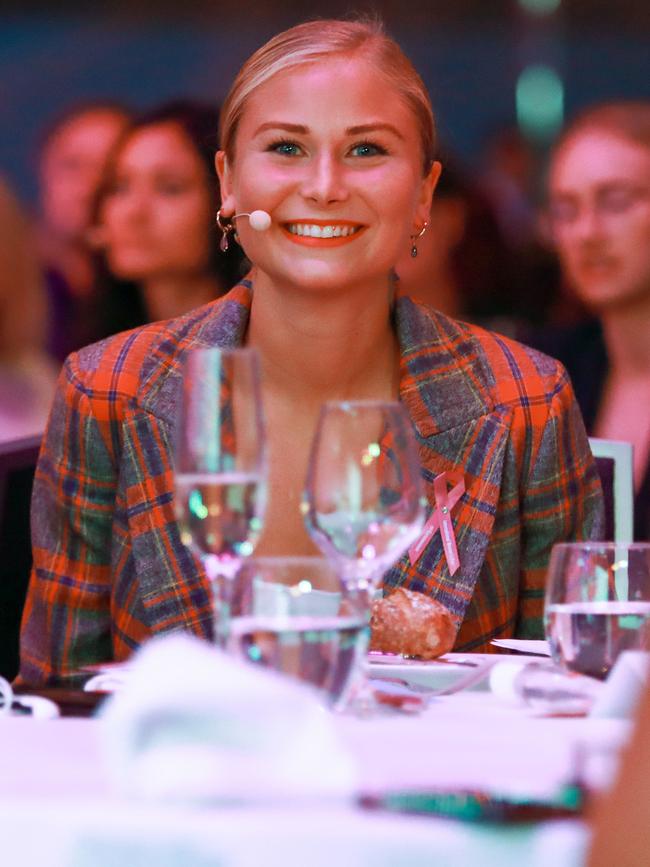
pixel 328 128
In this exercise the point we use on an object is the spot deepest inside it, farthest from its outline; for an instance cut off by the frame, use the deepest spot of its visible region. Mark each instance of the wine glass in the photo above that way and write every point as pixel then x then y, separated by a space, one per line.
pixel 220 465
pixel 597 604
pixel 363 503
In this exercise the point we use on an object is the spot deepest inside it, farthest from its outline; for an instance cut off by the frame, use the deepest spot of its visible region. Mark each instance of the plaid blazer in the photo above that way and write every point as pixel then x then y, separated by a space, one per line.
pixel 109 566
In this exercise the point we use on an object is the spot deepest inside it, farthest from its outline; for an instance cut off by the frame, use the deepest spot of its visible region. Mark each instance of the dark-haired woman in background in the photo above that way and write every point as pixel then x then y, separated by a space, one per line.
pixel 154 222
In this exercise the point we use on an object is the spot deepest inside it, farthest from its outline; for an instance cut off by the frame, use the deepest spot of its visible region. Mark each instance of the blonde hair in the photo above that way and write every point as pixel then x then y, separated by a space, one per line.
pixel 629 119
pixel 315 40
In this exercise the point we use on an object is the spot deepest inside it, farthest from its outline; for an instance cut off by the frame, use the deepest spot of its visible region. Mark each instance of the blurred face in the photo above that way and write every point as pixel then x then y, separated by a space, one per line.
pixel 71 169
pixel 333 153
pixel 600 217
pixel 158 212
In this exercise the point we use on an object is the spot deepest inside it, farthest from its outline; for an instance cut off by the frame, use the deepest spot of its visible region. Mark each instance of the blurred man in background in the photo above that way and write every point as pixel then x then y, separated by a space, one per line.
pixel 71 162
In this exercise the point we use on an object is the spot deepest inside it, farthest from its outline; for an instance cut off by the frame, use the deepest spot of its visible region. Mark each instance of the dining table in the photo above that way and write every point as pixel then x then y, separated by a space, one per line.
pixel 59 805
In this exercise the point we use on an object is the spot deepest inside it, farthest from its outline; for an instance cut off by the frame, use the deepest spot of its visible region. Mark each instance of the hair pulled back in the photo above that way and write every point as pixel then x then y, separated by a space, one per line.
pixel 318 40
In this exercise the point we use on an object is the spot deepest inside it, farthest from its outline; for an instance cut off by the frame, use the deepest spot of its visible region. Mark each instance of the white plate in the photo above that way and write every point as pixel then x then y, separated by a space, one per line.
pixel 524 645
pixel 435 673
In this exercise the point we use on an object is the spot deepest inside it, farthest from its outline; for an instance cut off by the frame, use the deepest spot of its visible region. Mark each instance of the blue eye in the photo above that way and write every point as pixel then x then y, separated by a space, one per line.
pixel 367 149
pixel 285 148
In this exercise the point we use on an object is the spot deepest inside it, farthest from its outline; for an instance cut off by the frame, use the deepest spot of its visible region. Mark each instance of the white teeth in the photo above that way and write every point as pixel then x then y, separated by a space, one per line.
pixel 312 231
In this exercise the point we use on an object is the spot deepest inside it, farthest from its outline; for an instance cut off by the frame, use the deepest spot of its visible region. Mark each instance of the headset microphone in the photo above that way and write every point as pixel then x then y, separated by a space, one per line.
pixel 259 220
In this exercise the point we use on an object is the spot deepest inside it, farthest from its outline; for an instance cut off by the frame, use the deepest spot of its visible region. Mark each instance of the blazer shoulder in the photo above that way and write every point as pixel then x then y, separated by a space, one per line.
pixel 134 364
pixel 517 372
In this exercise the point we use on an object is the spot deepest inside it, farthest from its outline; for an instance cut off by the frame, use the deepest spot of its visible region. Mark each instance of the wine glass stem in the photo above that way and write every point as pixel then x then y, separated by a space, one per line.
pixel 221 573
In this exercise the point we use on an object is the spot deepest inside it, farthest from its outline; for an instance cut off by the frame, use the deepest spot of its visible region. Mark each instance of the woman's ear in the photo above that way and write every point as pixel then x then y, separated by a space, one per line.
pixel 429 182
pixel 228 206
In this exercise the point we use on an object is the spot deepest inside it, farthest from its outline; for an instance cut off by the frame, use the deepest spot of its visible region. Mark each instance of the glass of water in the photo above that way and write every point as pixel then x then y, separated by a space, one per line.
pixel 296 616
pixel 220 465
pixel 597 604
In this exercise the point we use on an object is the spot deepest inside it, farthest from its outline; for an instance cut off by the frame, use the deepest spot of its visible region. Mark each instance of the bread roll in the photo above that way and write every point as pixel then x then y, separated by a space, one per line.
pixel 412 624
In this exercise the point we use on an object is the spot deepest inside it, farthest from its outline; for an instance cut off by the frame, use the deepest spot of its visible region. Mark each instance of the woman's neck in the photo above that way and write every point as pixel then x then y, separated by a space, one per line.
pixel 627 335
pixel 316 346
pixel 168 297
pixel 439 291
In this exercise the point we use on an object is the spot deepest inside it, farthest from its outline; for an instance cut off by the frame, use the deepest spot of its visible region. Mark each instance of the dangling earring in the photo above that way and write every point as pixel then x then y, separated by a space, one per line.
pixel 226 227
pixel 414 239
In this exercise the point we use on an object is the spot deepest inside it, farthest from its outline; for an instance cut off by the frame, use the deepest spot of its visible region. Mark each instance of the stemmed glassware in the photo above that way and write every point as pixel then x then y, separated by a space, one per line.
pixel 220 465
pixel 363 503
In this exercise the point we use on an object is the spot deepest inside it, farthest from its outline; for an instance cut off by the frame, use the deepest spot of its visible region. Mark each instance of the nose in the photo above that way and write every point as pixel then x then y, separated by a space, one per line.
pixel 588 225
pixel 324 182
pixel 135 205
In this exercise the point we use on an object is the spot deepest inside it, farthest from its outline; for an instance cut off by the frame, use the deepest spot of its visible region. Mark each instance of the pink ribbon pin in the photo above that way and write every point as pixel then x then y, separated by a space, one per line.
pixel 441 519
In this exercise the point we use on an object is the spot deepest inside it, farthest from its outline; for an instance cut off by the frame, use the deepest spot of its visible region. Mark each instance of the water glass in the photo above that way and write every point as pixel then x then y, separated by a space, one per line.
pixel 597 604
pixel 220 465
pixel 296 616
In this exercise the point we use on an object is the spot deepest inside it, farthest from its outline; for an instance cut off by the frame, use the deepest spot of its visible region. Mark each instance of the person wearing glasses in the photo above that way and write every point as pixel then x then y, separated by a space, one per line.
pixel 328 129
pixel 599 217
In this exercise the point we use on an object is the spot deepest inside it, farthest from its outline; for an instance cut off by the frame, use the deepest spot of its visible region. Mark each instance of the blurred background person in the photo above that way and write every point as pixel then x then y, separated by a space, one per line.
pixel 155 220
pixel 599 220
pixel 27 373
pixel 509 180
pixel 463 267
pixel 72 157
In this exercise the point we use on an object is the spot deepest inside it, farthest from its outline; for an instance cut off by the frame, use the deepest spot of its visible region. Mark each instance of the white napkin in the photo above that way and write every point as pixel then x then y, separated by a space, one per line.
pixel 624 685
pixel 544 687
pixel 193 724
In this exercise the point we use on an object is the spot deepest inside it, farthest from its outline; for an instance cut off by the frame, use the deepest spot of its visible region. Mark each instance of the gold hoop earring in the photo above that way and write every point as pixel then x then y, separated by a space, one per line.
pixel 414 240
pixel 227 229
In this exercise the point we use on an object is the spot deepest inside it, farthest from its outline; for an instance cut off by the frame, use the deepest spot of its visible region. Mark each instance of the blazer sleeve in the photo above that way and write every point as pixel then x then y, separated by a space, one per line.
pixel 561 500
pixel 66 621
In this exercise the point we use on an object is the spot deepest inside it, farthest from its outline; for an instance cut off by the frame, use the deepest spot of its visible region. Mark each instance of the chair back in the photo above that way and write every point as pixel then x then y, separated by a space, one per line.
pixel 614 463
pixel 17 464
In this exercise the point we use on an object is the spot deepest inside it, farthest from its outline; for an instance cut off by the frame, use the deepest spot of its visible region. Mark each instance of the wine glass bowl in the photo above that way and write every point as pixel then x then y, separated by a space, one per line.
pixel 363 503
pixel 597 604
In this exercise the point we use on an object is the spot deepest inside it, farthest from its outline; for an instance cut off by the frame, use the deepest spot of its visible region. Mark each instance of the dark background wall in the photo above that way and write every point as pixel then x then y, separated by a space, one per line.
pixel 468 51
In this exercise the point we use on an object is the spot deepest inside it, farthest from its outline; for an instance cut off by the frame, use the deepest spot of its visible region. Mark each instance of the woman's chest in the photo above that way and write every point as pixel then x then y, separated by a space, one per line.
pixel 625 415
pixel 289 443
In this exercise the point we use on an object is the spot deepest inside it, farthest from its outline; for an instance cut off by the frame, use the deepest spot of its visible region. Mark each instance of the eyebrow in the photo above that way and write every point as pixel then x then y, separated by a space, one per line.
pixel 300 129
pixel 374 127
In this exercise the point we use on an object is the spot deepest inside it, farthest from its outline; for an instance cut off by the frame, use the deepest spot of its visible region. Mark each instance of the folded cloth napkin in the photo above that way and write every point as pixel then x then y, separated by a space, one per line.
pixel 624 685
pixel 193 724
pixel 544 686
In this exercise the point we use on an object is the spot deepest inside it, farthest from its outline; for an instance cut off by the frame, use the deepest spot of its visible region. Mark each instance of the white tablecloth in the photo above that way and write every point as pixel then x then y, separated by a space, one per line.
pixel 57 807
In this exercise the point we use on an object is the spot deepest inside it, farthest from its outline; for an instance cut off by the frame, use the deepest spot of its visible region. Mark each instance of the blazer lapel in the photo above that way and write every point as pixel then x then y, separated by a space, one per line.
pixel 445 387
pixel 173 587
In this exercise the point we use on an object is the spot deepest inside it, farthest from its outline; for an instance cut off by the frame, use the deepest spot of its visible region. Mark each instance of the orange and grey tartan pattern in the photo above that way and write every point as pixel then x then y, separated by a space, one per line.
pixel 110 569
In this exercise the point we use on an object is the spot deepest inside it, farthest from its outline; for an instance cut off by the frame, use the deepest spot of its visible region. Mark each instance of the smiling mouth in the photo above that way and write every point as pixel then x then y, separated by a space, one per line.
pixel 322 233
